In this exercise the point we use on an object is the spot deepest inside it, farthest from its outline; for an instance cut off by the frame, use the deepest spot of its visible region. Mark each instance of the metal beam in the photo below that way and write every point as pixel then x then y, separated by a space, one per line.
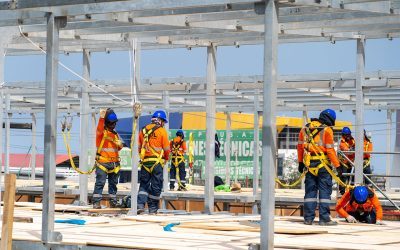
pixel 84 130
pixel 210 129
pixel 8 135
pixel 33 148
pixel 256 156
pixel 269 126
pixel 388 146
pixel 165 98
pixel 228 149
pixel 50 130
pixel 360 77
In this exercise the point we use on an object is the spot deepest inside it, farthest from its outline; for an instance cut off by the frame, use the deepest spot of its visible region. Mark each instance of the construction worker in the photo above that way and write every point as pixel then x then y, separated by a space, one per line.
pixel 107 158
pixel 360 205
pixel 347 143
pixel 178 150
pixel 315 154
pixel 368 147
pixel 154 151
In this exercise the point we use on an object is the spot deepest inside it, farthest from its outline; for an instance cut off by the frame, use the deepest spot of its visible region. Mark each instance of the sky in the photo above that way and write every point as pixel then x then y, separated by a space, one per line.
pixel 301 58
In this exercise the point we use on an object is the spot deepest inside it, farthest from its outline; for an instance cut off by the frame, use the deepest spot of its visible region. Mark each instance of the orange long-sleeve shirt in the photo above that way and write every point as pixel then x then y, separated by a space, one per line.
pixel 368 147
pixel 178 148
pixel 158 141
pixel 344 206
pixel 110 148
pixel 348 145
pixel 323 140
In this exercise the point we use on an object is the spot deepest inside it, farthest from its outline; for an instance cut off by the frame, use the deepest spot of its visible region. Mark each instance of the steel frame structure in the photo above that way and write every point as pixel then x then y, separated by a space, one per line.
pixel 83 26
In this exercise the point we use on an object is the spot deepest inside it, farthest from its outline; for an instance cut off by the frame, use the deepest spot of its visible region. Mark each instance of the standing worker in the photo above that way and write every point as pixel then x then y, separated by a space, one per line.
pixel 368 147
pixel 154 151
pixel 360 205
pixel 315 154
pixel 107 163
pixel 347 143
pixel 178 150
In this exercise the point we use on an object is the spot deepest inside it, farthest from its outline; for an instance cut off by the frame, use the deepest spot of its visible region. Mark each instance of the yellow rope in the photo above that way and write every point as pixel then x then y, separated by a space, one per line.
pixel 294 183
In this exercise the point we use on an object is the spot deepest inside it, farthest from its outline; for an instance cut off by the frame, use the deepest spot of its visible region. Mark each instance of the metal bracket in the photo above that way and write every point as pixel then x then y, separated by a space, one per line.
pixel 55 236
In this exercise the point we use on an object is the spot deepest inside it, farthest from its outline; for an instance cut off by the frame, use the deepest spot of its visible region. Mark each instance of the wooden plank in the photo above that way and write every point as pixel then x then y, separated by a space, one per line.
pixel 108 210
pixel 8 213
pixel 23 219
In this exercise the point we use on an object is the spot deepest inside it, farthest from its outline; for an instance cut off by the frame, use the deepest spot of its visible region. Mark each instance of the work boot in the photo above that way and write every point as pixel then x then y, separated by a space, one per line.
pixel 96 205
pixel 328 223
pixel 171 188
pixel 153 211
pixel 140 209
pixel 114 204
pixel 182 188
pixel 308 222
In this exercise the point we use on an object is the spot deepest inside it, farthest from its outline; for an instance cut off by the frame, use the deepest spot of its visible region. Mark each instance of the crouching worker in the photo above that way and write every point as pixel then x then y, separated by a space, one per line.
pixel 107 163
pixel 360 205
pixel 154 151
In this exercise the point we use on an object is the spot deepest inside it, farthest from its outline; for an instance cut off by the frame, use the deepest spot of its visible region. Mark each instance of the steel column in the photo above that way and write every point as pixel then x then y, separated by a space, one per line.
pixel 50 129
pixel 210 129
pixel 256 155
pixel 135 156
pixel 269 125
pixel 388 146
pixel 8 134
pixel 228 148
pixel 33 149
pixel 2 60
pixel 395 169
pixel 165 169
pixel 84 130
pixel 360 72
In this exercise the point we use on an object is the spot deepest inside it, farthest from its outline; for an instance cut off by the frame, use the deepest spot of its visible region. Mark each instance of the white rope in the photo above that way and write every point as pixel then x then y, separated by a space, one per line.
pixel 71 71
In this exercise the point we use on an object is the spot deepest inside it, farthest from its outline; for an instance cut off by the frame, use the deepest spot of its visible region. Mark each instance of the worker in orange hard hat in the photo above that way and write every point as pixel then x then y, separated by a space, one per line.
pixel 107 157
pixel 360 205
pixel 316 152
pixel 154 152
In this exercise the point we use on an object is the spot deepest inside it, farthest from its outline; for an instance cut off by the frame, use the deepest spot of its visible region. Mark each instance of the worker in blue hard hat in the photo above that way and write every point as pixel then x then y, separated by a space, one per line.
pixel 177 170
pixel 154 151
pixel 315 154
pixel 347 143
pixel 108 145
pixel 360 205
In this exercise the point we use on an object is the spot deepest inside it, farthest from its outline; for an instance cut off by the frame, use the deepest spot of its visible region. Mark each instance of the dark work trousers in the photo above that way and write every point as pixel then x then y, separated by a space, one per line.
pixel 101 178
pixel 341 170
pixel 172 174
pixel 317 186
pixel 150 187
pixel 368 217
pixel 367 170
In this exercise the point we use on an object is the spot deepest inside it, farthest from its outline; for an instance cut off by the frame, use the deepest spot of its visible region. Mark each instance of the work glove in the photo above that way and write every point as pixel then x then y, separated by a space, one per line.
pixel 379 222
pixel 119 143
pixel 103 113
pixel 351 219
pixel 301 167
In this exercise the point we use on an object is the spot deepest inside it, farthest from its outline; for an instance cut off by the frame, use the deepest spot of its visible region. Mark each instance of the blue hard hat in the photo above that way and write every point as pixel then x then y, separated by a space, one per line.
pixel 360 194
pixel 111 117
pixel 346 131
pixel 330 112
pixel 180 133
pixel 160 114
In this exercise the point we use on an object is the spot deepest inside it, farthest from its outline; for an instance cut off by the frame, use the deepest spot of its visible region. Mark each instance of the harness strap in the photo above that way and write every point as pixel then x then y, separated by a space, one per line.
pixel 114 170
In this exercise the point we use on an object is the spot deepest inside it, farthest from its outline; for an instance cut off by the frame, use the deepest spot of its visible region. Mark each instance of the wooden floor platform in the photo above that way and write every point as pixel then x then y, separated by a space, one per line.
pixel 219 231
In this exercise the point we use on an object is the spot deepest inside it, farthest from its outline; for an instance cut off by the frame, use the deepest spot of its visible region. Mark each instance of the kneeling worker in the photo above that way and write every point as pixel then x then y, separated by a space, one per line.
pixel 360 205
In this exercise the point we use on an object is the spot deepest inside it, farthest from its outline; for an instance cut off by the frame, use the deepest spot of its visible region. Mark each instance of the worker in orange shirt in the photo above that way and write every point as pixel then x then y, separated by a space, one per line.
pixel 178 150
pixel 316 152
pixel 368 147
pixel 347 143
pixel 154 151
pixel 360 205
pixel 107 158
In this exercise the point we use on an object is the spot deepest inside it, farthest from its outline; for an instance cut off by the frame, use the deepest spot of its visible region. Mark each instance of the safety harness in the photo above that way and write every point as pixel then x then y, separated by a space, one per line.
pixel 341 159
pixel 157 157
pixel 367 161
pixel 99 157
pixel 176 157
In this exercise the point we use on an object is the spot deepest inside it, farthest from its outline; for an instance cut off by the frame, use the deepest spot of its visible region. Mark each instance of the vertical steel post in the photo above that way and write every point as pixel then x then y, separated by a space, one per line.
pixel 93 140
pixel 269 125
pixel 8 134
pixel 135 156
pixel 360 77
pixel 50 129
pixel 33 150
pixel 165 169
pixel 256 155
pixel 228 149
pixel 388 146
pixel 395 169
pixel 84 130
pixel 2 57
pixel 210 129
